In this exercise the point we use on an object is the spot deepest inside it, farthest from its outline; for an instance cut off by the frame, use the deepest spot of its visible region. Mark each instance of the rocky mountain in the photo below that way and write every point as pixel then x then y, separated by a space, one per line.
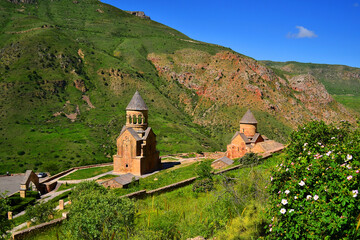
pixel 69 68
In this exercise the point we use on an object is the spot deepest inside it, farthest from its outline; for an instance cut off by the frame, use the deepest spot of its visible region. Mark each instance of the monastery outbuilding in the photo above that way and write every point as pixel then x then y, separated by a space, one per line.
pixel 249 140
pixel 136 144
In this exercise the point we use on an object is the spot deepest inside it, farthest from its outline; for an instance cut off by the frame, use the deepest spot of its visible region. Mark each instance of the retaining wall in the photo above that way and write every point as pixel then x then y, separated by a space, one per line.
pixel 25 233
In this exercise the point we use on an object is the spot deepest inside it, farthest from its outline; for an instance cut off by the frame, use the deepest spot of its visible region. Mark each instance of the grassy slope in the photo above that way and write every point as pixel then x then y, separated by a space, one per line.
pixel 37 73
pixel 168 211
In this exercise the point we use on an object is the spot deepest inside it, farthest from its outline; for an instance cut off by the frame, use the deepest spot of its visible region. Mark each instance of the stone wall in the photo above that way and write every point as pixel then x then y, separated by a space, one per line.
pixel 24 234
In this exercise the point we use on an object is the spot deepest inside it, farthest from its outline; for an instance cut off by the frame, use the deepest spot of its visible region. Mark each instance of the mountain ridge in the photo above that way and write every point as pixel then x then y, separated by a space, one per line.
pixel 69 69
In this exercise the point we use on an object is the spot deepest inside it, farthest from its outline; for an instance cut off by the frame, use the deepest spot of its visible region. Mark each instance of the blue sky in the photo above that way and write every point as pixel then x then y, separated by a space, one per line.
pixel 294 30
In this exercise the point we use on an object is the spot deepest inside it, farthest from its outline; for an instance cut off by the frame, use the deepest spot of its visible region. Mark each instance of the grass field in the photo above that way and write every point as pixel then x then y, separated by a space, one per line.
pixel 181 214
pixel 87 173
pixel 108 176
pixel 161 179
pixel 65 186
pixel 349 101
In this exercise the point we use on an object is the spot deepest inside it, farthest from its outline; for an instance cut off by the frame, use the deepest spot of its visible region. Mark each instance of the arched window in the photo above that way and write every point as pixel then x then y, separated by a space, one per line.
pixel 129 118
pixel 134 119
pixel 140 119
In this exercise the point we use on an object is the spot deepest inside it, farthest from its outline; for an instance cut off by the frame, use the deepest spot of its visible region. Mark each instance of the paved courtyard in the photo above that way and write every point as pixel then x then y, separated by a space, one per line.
pixel 11 184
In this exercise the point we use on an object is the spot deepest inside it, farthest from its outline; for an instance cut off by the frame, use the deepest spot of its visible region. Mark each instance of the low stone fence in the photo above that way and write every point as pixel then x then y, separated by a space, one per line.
pixel 172 186
pixel 144 193
pixel 137 195
pixel 24 234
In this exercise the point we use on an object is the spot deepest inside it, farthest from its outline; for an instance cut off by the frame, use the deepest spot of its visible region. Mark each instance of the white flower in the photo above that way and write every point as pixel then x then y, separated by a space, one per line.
pixel 287 192
pixel 349 177
pixel 295 197
pixel 305 144
pixel 270 229
pixel 316 197
pixel 333 138
pixel 328 153
pixel 272 218
pixel 291 210
pixel 348 166
pixel 287 169
pixel 348 157
pixel 283 211
pixel 355 193
pixel 284 202
pixel 308 197
pixel 302 183
pixel 271 178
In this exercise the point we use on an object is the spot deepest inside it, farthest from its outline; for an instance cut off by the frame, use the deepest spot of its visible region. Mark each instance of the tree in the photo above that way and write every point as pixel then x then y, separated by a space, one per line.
pixel 203 170
pixel 96 213
pixel 314 191
pixel 39 213
pixel 5 224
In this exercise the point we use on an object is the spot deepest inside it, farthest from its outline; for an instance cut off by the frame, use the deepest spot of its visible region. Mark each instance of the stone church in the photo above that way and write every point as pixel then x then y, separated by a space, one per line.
pixel 249 140
pixel 136 144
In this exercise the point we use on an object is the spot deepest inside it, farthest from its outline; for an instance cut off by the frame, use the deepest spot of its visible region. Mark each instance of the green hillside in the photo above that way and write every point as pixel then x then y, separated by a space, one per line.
pixel 343 82
pixel 40 60
pixel 69 68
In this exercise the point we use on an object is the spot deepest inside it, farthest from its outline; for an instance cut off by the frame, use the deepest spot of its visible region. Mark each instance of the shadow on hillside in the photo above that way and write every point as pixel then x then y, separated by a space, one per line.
pixel 167 165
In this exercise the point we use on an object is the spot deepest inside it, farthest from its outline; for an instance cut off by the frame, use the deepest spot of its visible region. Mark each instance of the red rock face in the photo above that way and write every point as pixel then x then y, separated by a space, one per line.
pixel 231 80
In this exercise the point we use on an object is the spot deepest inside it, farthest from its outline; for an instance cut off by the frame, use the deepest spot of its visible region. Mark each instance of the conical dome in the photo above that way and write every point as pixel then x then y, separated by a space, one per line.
pixel 137 103
pixel 248 118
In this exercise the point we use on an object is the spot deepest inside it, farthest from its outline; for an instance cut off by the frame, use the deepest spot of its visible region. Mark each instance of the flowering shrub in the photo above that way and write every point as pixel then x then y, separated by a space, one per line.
pixel 314 191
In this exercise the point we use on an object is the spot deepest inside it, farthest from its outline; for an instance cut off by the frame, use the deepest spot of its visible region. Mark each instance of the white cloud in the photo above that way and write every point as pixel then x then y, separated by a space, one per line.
pixel 303 33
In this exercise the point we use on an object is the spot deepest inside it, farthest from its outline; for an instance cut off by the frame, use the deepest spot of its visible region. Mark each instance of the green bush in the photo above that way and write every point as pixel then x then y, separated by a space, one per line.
pixel 203 170
pixel 19 204
pixel 203 185
pixel 5 224
pixel 40 213
pixel 314 191
pixel 97 215
pixel 249 158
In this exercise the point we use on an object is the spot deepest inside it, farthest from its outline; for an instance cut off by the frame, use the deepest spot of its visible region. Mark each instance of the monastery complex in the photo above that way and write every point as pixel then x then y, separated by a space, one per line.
pixel 136 144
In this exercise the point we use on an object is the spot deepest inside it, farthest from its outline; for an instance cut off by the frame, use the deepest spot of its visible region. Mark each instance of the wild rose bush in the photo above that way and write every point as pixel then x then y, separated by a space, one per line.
pixel 314 191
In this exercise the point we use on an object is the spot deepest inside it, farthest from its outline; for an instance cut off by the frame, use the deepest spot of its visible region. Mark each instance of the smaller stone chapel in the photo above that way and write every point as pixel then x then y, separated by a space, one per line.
pixel 249 140
pixel 136 144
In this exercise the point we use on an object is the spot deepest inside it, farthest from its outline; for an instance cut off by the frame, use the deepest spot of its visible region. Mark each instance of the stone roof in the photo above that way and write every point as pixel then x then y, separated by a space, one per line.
pixel 271 146
pixel 226 160
pixel 248 118
pixel 125 179
pixel 242 135
pixel 137 103
pixel 255 137
pixel 245 138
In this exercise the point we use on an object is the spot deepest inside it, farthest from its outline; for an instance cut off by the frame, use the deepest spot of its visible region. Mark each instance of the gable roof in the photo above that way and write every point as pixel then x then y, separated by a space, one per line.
pixel 147 132
pixel 226 160
pixel 137 103
pixel 271 146
pixel 132 131
pixel 255 137
pixel 242 135
pixel 248 118
pixel 125 179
